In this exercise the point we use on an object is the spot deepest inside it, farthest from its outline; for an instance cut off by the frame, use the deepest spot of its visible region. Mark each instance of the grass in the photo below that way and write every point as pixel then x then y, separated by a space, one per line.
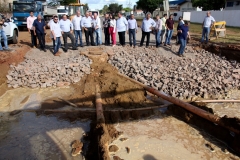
pixel 233 33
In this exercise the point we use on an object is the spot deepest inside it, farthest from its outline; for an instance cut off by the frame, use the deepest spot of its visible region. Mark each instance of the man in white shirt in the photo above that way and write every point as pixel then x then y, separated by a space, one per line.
pixel 163 32
pixel 30 21
pixel 67 30
pixel 97 29
pixel 86 23
pixel 77 28
pixel 122 26
pixel 56 33
pixel 207 24
pixel 147 25
pixel 158 29
pixel 132 30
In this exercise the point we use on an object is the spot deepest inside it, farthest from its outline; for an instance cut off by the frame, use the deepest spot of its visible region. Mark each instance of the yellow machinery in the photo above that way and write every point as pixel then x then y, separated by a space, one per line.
pixel 73 7
pixel 218 30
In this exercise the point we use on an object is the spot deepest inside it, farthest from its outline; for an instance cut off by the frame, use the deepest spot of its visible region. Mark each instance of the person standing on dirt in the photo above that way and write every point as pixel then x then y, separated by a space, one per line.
pixel 57 34
pixel 97 29
pixel 106 25
pixel 67 32
pixel 3 35
pixel 158 30
pixel 180 23
pixel 132 30
pixel 206 26
pixel 122 26
pixel 49 25
pixel 30 21
pixel 77 28
pixel 112 29
pixel 39 28
pixel 169 28
pixel 183 33
pixel 163 32
pixel 86 23
pixel 147 25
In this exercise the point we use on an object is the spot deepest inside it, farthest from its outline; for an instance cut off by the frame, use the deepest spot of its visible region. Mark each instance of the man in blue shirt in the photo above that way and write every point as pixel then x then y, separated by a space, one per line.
pixel 207 24
pixel 40 31
pixel 147 25
pixel 67 32
pixel 183 33
pixel 122 26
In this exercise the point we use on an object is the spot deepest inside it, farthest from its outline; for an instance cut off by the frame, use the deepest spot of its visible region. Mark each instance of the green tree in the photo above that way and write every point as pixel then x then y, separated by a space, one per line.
pixel 85 7
pixel 127 9
pixel 105 9
pixel 209 5
pixel 148 5
pixel 115 8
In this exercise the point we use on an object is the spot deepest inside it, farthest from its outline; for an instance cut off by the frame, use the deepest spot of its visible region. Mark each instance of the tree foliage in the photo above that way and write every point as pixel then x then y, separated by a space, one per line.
pixel 209 5
pixel 148 5
pixel 127 9
pixel 105 9
pixel 115 8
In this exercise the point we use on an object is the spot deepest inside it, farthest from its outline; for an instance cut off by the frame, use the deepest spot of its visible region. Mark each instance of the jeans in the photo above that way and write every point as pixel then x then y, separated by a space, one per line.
pixel 89 33
pixel 205 33
pixel 41 39
pixel 2 34
pixel 98 35
pixel 163 36
pixel 157 36
pixel 144 34
pixel 78 34
pixel 132 34
pixel 113 35
pixel 183 43
pixel 65 36
pixel 107 35
pixel 33 39
pixel 57 44
pixel 168 36
pixel 121 38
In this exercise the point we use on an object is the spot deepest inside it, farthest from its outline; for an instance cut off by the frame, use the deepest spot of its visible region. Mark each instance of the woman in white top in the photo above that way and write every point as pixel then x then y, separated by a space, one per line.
pixel 112 29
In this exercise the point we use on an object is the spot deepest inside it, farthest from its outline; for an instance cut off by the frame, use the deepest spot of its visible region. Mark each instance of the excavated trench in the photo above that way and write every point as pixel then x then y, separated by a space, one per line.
pixel 124 101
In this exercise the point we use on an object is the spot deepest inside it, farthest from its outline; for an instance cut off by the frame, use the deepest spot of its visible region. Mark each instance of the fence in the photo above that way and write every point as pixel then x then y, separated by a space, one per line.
pixel 231 16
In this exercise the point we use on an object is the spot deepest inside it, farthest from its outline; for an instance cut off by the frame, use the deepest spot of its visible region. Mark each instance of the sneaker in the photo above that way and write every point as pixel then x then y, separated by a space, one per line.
pixel 81 46
pixel 44 50
pixel 57 54
pixel 7 49
pixel 74 49
pixel 165 45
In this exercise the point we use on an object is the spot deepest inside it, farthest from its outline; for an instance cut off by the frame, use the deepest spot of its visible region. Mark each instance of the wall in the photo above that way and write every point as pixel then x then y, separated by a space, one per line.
pixel 236 5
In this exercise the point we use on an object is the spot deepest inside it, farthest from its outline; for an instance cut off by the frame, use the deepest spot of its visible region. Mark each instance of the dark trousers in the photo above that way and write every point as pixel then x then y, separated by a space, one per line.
pixel 89 33
pixel 65 36
pixel 41 39
pixel 132 35
pixel 107 35
pixel 33 39
pixel 143 38
pixel 121 36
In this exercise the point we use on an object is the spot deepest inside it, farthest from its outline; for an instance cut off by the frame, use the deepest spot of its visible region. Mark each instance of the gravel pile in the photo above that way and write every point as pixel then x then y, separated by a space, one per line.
pixel 199 74
pixel 48 72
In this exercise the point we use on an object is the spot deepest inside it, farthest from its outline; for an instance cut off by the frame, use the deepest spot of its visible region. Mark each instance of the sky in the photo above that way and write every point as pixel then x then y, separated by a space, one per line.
pixel 98 4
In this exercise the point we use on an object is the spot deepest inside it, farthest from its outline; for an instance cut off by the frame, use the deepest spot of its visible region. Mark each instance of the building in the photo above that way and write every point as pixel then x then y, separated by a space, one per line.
pixel 232 5
pixel 181 5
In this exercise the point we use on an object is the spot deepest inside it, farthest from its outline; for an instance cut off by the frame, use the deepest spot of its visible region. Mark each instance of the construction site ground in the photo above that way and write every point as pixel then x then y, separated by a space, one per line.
pixel 38 124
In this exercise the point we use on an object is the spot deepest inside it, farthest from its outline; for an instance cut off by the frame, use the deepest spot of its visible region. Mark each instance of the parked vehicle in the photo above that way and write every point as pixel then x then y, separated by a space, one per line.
pixel 11 30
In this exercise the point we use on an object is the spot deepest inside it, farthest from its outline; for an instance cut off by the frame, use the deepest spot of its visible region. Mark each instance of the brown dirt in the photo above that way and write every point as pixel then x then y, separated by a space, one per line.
pixel 113 148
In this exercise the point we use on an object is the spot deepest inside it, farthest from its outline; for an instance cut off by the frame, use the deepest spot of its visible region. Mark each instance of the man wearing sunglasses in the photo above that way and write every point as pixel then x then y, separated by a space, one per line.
pixel 56 33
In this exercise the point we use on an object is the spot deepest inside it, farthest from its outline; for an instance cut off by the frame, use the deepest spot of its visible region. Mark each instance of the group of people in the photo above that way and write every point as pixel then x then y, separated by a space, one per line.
pixel 91 25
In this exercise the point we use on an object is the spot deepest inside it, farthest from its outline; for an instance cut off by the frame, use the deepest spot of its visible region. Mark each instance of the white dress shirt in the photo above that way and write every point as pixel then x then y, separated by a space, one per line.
pixel 113 24
pixel 122 24
pixel 158 24
pixel 96 23
pixel 55 27
pixel 66 25
pixel 86 22
pixel 208 21
pixel 132 24
pixel 77 22
pixel 147 24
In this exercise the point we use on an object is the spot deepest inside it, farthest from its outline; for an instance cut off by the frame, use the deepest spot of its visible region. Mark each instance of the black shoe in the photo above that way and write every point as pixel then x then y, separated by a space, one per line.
pixel 157 46
pixel 44 50
pixel 74 49
pixel 165 45
pixel 141 45
pixel 81 46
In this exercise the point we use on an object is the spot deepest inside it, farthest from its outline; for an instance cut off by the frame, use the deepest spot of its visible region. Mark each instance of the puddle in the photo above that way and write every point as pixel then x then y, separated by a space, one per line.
pixel 31 137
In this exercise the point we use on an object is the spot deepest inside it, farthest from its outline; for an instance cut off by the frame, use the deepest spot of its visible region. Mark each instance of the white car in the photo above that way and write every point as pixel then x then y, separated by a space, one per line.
pixel 11 31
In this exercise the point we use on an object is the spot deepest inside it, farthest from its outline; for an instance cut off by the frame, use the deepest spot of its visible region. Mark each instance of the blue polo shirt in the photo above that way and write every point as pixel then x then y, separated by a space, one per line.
pixel 39 26
pixel 185 30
